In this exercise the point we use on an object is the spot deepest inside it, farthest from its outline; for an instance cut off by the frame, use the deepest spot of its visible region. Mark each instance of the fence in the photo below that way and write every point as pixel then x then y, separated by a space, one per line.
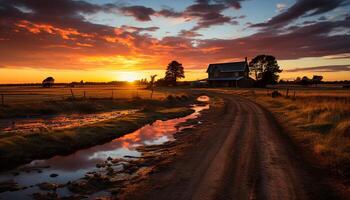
pixel 24 95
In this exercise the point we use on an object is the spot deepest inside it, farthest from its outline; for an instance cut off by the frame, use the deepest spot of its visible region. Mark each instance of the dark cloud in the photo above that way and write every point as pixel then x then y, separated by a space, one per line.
pixel 231 3
pixel 189 34
pixel 141 13
pixel 208 14
pixel 301 41
pixel 169 13
pixel 66 8
pixel 327 68
pixel 302 8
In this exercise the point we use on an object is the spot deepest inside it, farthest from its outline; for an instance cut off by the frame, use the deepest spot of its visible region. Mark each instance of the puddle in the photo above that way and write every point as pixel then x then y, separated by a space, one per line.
pixel 27 125
pixel 76 165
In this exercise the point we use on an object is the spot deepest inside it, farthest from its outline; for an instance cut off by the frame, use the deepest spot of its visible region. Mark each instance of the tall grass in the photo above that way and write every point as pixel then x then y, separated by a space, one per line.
pixel 322 125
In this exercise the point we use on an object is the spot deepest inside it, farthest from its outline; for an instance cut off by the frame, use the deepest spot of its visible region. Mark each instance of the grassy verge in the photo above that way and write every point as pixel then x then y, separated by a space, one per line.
pixel 22 148
pixel 318 121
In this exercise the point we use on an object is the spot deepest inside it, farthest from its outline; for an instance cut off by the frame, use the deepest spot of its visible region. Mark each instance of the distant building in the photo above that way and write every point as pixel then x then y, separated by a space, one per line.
pixel 200 83
pixel 317 79
pixel 232 74
pixel 48 82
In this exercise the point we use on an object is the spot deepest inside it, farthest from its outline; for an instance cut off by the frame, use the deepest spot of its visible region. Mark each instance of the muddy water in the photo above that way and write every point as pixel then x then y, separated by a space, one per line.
pixel 76 165
pixel 24 125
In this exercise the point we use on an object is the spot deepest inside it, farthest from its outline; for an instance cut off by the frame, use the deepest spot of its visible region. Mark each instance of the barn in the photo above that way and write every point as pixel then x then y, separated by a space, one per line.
pixel 231 74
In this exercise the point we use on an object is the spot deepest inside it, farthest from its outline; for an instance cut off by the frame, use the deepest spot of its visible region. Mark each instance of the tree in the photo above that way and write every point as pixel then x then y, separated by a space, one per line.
pixel 265 69
pixel 305 81
pixel 48 82
pixel 174 72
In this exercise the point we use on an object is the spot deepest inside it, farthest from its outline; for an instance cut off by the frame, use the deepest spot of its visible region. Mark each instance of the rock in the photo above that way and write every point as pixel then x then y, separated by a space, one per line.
pixel 100 165
pixel 48 186
pixel 110 171
pixel 114 191
pixel 45 195
pixel 15 173
pixel 9 185
pixel 53 175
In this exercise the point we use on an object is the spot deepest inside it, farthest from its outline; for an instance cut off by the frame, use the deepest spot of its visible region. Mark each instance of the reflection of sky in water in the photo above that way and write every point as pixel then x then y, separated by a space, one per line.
pixel 76 165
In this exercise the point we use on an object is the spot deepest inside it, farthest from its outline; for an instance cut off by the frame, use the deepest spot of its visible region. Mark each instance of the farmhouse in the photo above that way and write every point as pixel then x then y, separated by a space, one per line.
pixel 232 74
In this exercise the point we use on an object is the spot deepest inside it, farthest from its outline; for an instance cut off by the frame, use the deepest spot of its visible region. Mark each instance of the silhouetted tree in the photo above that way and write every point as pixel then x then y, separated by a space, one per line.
pixel 174 71
pixel 161 82
pixel 265 69
pixel 305 81
pixel 48 82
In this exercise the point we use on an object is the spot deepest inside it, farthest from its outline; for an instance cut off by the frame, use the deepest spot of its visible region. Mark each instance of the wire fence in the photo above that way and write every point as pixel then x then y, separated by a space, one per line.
pixel 25 95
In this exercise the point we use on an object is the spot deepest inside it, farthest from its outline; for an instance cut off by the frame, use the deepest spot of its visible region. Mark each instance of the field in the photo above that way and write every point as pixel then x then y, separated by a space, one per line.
pixel 40 105
pixel 30 94
pixel 28 100
pixel 245 137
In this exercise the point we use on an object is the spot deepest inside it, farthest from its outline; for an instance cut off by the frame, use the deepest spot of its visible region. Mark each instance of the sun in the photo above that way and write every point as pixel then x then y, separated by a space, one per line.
pixel 127 76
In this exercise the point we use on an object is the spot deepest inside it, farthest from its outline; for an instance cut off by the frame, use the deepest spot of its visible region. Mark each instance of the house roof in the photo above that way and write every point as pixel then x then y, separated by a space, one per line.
pixel 226 79
pixel 228 67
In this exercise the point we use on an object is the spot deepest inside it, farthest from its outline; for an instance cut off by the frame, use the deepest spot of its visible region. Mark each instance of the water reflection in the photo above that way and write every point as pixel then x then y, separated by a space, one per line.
pixel 74 166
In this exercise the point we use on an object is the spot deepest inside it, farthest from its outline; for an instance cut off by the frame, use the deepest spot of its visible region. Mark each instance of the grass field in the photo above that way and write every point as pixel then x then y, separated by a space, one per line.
pixel 29 101
pixel 30 94
pixel 318 120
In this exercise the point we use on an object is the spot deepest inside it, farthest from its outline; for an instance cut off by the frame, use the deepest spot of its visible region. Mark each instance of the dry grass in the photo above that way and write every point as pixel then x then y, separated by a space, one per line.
pixel 28 101
pixel 29 94
pixel 319 120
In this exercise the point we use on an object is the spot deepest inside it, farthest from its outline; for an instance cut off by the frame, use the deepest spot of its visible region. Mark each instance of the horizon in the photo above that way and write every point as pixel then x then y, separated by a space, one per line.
pixel 104 41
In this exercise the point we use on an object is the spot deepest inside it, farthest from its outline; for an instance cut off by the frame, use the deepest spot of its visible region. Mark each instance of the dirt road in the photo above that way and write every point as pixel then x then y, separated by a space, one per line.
pixel 242 153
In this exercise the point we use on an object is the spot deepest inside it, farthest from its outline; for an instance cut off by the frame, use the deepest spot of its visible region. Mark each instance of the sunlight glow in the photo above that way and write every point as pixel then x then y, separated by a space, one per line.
pixel 127 76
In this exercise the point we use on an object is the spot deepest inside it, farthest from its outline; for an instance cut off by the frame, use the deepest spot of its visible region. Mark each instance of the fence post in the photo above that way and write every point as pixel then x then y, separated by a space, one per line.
pixel 152 93
pixel 294 94
pixel 287 92
pixel 71 92
pixel 84 95
pixel 2 99
pixel 112 94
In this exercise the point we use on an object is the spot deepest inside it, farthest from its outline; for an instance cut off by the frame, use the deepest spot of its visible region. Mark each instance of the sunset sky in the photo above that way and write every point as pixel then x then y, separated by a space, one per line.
pixel 107 40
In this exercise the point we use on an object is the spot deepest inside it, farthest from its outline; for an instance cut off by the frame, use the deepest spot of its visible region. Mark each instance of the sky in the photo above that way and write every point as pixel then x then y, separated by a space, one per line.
pixel 108 40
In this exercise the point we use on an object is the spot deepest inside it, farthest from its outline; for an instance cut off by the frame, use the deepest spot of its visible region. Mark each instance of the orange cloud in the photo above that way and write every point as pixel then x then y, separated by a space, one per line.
pixel 38 28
